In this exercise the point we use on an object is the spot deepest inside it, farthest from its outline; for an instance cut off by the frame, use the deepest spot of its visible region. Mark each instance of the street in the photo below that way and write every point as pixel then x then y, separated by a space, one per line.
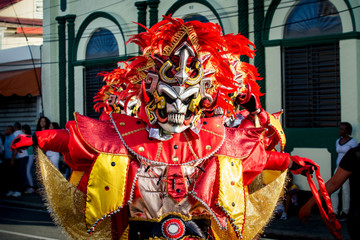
pixel 18 223
pixel 21 223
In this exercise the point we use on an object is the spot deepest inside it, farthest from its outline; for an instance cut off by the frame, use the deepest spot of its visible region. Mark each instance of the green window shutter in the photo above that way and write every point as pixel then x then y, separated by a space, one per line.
pixel 312 86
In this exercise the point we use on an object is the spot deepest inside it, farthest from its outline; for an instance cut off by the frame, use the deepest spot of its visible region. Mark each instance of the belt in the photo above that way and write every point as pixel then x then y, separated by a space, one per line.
pixel 171 227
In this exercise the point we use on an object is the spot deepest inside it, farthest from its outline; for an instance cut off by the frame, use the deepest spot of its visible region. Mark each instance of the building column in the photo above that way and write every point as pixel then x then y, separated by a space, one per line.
pixel 350 83
pixel 71 89
pixel 259 60
pixel 243 22
pixel 62 70
pixel 63 5
pixel 141 7
pixel 153 5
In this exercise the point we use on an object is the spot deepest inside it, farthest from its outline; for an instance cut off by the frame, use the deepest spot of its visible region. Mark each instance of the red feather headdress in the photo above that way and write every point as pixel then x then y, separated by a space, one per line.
pixel 207 40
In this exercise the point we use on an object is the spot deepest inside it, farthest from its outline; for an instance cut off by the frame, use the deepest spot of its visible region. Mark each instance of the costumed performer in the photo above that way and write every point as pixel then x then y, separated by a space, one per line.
pixel 181 165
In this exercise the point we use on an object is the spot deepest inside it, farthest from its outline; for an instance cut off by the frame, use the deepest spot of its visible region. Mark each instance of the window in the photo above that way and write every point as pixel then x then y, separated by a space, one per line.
pixel 311 89
pixel 312 86
pixel 193 17
pixel 102 45
pixel 312 18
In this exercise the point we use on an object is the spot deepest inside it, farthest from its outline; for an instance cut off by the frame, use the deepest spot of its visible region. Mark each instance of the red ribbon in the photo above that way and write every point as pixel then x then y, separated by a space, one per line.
pixel 330 220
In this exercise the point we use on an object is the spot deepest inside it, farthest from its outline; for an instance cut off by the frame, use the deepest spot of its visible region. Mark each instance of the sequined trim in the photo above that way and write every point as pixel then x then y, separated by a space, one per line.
pixel 161 163
pixel 193 194
pixel 131 198
pixel 92 228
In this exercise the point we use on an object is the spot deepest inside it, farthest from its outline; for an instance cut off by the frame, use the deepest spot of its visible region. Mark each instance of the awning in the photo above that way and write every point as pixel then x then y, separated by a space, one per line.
pixel 29 30
pixel 20 82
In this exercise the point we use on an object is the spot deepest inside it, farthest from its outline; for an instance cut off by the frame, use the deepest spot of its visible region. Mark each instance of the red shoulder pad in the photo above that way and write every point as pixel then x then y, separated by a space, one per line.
pixel 99 135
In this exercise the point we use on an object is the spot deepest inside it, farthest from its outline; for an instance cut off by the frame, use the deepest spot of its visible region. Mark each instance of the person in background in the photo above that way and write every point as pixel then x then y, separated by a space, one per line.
pixel 54 125
pixel 2 161
pixel 19 162
pixel 289 199
pixel 26 129
pixel 7 169
pixel 54 156
pixel 9 136
pixel 1 150
pixel 349 169
pixel 43 123
pixel 343 144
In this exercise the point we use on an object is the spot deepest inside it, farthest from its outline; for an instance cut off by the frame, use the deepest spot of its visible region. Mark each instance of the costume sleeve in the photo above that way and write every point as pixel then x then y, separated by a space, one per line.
pixel 53 139
pixel 78 155
pixel 277 161
pixel 274 133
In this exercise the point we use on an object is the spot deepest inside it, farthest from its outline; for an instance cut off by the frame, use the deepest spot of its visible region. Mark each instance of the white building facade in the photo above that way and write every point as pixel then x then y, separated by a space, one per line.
pixel 308 53
pixel 20 62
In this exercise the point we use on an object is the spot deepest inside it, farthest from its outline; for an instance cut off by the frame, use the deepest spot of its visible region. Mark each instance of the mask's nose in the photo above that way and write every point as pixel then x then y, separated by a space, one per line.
pixel 177 104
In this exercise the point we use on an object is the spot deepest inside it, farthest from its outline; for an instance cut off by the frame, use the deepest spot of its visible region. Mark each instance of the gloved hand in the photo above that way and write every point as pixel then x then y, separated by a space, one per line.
pixel 22 142
pixel 249 101
pixel 302 165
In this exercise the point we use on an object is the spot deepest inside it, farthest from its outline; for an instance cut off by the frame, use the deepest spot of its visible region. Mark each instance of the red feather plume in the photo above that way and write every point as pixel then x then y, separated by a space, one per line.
pixel 125 82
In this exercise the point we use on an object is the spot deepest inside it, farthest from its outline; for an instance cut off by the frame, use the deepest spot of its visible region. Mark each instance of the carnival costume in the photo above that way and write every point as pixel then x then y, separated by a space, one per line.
pixel 181 163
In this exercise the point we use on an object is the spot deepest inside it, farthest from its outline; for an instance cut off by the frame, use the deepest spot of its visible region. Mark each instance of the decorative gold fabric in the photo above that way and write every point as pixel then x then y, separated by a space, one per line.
pixel 260 206
pixel 66 203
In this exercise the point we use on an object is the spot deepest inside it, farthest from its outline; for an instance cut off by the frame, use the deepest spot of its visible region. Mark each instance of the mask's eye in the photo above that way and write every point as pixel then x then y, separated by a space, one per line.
pixel 187 100
pixel 168 98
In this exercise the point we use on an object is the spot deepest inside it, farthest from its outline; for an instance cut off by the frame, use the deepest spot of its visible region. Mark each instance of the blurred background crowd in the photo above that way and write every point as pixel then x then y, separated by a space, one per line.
pixel 17 168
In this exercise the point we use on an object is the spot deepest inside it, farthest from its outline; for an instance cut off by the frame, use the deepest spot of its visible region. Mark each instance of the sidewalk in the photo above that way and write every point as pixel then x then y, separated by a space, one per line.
pixel 33 201
pixel 291 228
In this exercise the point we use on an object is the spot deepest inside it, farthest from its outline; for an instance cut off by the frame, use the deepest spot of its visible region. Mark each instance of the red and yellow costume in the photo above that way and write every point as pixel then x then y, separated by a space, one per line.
pixel 173 170
pixel 123 172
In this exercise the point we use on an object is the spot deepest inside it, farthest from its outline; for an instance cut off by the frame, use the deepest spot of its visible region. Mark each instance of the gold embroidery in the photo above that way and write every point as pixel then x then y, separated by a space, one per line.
pixel 193 38
pixel 174 41
pixel 159 151
pixel 212 133
pixel 133 131
pixel 190 147
pixel 141 75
